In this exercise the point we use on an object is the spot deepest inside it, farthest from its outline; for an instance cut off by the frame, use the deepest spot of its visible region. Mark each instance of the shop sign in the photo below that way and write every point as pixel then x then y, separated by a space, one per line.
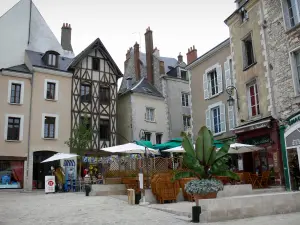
pixel 253 127
pixel 49 184
pixel 294 120
pixel 293 139
pixel 258 140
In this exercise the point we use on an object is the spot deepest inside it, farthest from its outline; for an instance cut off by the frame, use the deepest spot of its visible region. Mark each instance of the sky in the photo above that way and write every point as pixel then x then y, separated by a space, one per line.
pixel 176 24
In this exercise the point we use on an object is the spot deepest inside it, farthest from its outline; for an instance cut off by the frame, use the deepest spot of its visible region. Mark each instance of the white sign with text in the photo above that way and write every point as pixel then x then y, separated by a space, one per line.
pixel 49 184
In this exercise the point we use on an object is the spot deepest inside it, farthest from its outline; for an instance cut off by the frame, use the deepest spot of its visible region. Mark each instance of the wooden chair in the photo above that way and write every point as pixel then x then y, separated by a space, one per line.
pixel 254 179
pixel 247 178
pixel 264 179
pixel 166 191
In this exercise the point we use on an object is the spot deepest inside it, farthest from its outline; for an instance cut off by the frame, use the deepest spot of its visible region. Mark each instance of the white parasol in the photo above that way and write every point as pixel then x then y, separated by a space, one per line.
pixel 59 156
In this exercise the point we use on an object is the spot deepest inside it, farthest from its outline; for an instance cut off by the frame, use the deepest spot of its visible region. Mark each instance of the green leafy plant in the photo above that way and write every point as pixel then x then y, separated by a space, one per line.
pixel 203 186
pixel 204 161
pixel 81 139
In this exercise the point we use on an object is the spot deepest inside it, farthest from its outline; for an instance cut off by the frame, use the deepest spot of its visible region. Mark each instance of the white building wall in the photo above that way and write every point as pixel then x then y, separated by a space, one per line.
pixel 139 104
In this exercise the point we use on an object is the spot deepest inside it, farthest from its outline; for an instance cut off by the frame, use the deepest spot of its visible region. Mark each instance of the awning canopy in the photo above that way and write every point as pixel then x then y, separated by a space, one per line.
pixel 238 148
pixel 147 144
pixel 59 156
pixel 130 148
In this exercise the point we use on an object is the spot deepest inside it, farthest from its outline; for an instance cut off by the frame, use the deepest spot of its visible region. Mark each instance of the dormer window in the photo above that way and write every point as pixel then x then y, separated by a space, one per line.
pixel 52 59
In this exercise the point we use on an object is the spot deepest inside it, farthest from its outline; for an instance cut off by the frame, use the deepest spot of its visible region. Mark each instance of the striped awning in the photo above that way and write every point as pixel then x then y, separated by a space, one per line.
pixel 69 163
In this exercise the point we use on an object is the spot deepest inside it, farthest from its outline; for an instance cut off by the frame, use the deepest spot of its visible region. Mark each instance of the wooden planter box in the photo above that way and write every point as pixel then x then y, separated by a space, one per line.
pixel 116 180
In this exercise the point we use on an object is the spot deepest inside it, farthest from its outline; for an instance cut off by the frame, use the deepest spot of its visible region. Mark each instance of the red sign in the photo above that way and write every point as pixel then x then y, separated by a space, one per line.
pixel 50 183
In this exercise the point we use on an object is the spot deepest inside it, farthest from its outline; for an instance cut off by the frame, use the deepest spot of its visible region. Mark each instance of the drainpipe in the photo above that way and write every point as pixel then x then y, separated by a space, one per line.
pixel 29 132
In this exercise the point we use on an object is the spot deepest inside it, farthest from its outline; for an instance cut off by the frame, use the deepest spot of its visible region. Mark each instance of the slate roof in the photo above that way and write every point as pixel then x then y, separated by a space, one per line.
pixel 36 60
pixel 19 68
pixel 143 86
pixel 96 44
pixel 169 62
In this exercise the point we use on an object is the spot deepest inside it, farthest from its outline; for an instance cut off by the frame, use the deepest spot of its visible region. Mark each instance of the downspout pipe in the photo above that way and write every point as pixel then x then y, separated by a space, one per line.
pixel 29 133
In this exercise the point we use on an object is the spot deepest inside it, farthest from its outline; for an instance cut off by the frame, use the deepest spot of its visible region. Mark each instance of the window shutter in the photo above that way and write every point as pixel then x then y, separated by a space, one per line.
pixel 227 73
pixel 208 123
pixel 220 78
pixel 205 86
pixel 223 118
pixel 231 117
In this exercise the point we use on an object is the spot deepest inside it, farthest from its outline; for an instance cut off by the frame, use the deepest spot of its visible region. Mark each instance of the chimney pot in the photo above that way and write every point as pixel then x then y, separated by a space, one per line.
pixel 191 55
pixel 180 58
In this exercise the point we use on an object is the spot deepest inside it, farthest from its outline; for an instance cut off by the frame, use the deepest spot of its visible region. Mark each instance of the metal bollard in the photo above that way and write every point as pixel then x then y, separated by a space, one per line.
pixel 196 211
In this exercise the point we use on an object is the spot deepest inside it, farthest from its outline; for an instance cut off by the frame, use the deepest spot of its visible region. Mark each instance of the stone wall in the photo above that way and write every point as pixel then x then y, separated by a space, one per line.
pixel 279 43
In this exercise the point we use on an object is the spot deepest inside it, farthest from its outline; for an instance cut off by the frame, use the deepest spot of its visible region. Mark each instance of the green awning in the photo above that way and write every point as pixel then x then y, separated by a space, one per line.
pixel 218 144
pixel 167 145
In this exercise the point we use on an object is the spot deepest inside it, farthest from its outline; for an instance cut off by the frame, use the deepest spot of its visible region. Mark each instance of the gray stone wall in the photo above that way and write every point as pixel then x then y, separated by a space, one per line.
pixel 279 43
pixel 156 73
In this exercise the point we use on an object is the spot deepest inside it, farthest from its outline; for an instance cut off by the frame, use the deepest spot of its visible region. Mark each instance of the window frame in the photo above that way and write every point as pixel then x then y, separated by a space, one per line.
pixel 295 74
pixel 98 63
pixel 52 60
pixel 86 99
pixel 209 79
pixel 223 118
pixel 148 133
pixel 212 119
pixel 56 82
pixel 257 105
pixel 183 122
pixel 49 136
pixel 156 136
pixel 104 100
pixel 185 102
pixel 244 51
pixel 18 82
pixel 21 131
pixel 107 138
pixel 287 16
pixel 146 114
pixel 187 76
pixel 56 126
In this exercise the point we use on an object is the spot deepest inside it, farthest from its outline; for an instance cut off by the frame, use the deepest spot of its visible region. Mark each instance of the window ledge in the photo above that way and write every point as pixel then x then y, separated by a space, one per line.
pixel 50 100
pixel 248 67
pixel 214 96
pixel 251 118
pixel 50 139
pixel 13 141
pixel 218 134
pixel 290 30
pixel 19 104
pixel 149 121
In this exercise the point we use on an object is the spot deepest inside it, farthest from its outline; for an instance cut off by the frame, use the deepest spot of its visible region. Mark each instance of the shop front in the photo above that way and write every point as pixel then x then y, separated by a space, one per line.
pixel 11 172
pixel 292 145
pixel 263 133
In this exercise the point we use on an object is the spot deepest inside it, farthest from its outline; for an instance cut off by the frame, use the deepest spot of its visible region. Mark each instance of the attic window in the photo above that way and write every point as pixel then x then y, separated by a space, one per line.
pixel 96 64
pixel 244 15
pixel 147 90
pixel 52 60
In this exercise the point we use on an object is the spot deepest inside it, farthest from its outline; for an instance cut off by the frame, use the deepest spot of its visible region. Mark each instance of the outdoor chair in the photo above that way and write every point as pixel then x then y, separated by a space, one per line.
pixel 263 181
pixel 166 191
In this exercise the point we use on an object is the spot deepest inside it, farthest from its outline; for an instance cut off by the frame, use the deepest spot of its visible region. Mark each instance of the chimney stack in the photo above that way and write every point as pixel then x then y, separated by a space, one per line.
pixel 137 65
pixel 180 58
pixel 191 55
pixel 66 33
pixel 156 52
pixel 162 68
pixel 149 55
pixel 129 83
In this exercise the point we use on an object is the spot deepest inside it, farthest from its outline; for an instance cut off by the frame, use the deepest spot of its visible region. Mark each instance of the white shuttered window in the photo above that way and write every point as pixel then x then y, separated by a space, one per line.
pixel 231 117
pixel 216 118
pixel 228 72
pixel 213 81
pixel 291 12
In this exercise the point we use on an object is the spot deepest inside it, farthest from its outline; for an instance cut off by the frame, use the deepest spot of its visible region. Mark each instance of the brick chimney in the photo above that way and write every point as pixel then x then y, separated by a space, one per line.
pixel 66 33
pixel 191 55
pixel 149 55
pixel 137 65
pixel 180 58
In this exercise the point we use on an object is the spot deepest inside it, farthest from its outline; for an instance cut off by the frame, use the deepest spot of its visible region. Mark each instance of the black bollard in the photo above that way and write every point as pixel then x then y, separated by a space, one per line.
pixel 196 211
pixel 87 190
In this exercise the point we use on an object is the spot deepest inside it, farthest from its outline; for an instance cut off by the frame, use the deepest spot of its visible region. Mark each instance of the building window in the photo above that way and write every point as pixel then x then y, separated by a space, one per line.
pixel 248 54
pixel 147 136
pixel 215 118
pixel 244 15
pixel 296 70
pixel 104 129
pixel 158 138
pixel 213 80
pixel 183 74
pixel 15 92
pixel 85 92
pixel 11 174
pixel 15 95
pixel 253 100
pixel 49 127
pixel 50 91
pixel 186 122
pixel 13 128
pixel 185 99
pixel 96 64
pixel 150 116
pixel 52 60
pixel 104 94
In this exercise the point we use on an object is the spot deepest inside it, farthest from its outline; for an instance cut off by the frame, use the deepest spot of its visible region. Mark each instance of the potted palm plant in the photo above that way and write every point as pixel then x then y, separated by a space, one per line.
pixel 204 162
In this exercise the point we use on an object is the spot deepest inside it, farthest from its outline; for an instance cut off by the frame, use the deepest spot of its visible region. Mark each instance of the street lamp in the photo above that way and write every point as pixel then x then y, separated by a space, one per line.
pixel 231 100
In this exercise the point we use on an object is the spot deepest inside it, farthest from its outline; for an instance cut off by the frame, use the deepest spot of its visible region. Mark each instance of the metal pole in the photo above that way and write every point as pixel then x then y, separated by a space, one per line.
pixel 147 169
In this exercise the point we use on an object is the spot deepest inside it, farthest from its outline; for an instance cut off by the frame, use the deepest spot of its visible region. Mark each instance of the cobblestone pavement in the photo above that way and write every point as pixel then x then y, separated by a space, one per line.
pixel 63 209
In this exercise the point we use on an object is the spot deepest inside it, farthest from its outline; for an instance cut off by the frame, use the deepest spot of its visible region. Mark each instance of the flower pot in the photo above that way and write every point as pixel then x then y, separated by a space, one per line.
pixel 197 197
